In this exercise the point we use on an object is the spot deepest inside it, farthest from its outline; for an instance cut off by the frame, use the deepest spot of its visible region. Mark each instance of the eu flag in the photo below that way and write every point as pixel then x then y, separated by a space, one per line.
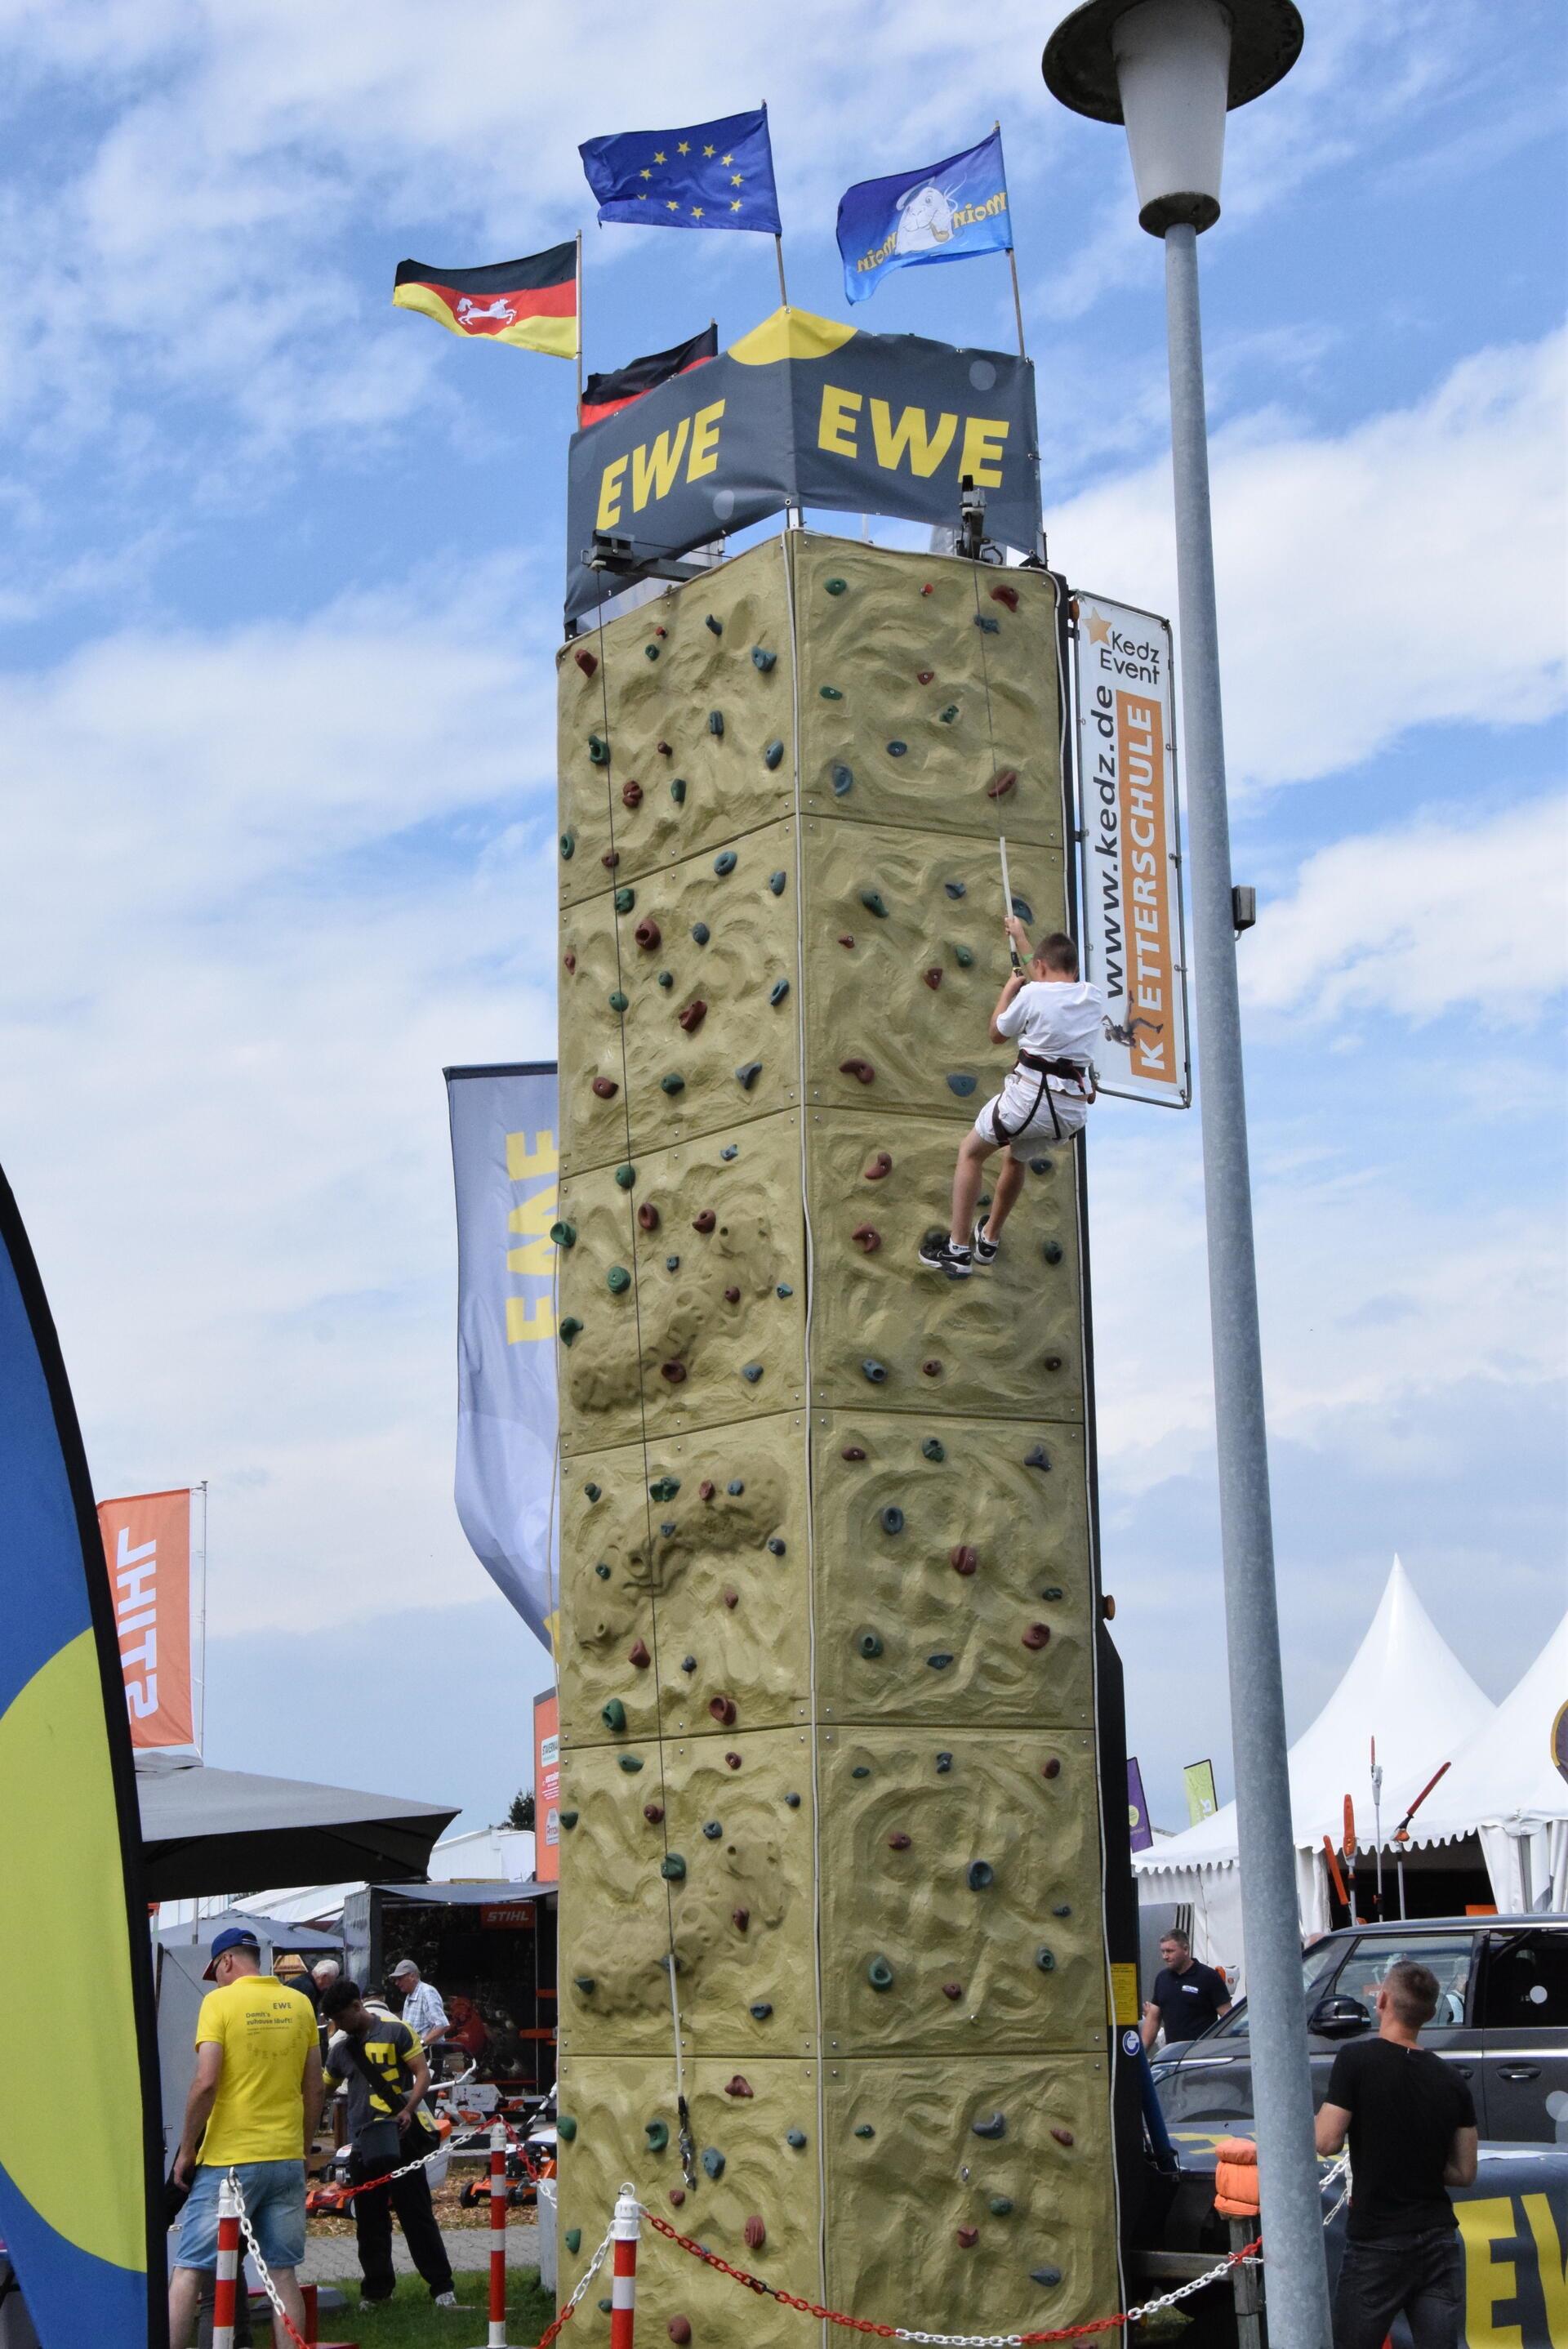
pixel 709 175
pixel 943 212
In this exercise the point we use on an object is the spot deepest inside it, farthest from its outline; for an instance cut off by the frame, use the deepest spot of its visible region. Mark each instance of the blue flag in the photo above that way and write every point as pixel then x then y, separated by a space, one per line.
pixel 945 212
pixel 709 175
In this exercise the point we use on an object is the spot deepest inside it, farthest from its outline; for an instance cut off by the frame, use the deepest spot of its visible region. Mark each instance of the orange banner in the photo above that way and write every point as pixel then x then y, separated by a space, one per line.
pixel 547 1788
pixel 147 1548
pixel 1141 769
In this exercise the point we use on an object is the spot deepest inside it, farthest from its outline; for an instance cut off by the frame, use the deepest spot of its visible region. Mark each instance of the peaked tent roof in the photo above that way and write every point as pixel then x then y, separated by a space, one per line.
pixel 1404 1686
pixel 1505 1776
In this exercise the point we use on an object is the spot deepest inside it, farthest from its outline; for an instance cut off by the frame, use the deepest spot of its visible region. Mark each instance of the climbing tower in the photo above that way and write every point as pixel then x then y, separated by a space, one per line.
pixel 829 1614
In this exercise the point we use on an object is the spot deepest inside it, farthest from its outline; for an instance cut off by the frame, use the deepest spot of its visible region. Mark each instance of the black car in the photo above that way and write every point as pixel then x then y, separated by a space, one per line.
pixel 1502 2022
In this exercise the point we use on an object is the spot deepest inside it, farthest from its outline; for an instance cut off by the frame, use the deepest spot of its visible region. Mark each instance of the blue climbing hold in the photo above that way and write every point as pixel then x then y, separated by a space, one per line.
pixel 713 2161
pixel 672 1264
pixel 716 722
pixel 701 933
pixel 752 1373
pixel 778 990
pixel 987 624
pixel 724 863
pixel 1038 1458
pixel 672 1084
pixel 783 1289
pixel 875 1370
pixel 618 1002
pixel 716 627
pixel 762 660
pixel 796 2138
pixel 844 780
pixel 772 755
pixel 760 2012
pixel 861 1770
pixel 961 1083
pixel 994 2127
pixel 896 750
pixel 868 1644
pixel 879 1973
pixel 792 1802
pixel 955 888
pixel 981 1875
pixel 775 1546
pixel 1052 1251
pixel 746 1076
pixel 1045 2275
pixel 592 1491
pixel 892 1520
pixel 712 1829
pixel 940 1660
pixel 944 1764
pixel 734 1489
pixel 731 1149
pixel 776 882
pixel 873 904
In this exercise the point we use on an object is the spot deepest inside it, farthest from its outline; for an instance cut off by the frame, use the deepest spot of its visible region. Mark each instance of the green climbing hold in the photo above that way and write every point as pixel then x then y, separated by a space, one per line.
pixel 672 1084
pixel 963 957
pixel 830 693
pixel 775 1546
pixel 796 2138
pixel 672 1264
pixel 752 1373
pixel 598 750
pixel 961 1085
pixel 865 2129
pixel 873 904
pixel 631 1763
pixel 778 990
pixel 875 1370
pixel 783 1289
pixel 879 1973
pixel 658 2134
pixel 1000 2206
pixel 793 1802
pixel 987 624
pixel 585 1984
pixel 590 1490
pixel 713 2161
pixel 1045 1959
pixel 716 722
pixel 650 652
pixel 760 2012
pixel 835 586
pixel 569 1820
pixel 701 933
pixel 625 1177
pixel 672 1869
pixel 572 2239
pixel 614 1714
pixel 746 1076
pixel 949 714
pixel 762 660
pixel 677 791
pixel 664 1489
pixel 844 780
pixel 896 750
pixel 775 883
pixel 618 1002
pixel 571 1327
pixel 564 1234
pixel 625 900
pixel 568 846
pixel 772 755
pixel 868 1644
pixel 665 979
pixel 724 863
pixel 1062 1909
pixel 1052 1251
pixel 955 888
pixel 565 2126
pixel 1052 1590
pixel 716 627
pixel 892 1520
pixel 617 1280
pixel 933 1450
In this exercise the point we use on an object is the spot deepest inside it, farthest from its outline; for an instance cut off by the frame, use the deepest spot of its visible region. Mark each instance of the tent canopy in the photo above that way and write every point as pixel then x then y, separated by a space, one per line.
pixel 279 1933
pixel 1505 1776
pixel 1404 1687
pixel 206 1831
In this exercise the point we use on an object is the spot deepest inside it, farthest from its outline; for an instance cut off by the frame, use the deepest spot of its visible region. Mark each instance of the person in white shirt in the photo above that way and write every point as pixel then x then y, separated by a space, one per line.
pixel 1054 1017
pixel 422 2009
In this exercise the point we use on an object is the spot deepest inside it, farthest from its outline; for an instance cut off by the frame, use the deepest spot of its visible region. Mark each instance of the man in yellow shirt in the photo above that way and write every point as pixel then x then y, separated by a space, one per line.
pixel 252 2109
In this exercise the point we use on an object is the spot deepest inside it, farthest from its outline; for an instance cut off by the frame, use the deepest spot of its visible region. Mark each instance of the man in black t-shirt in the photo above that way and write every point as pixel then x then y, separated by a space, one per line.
pixel 380 2062
pixel 1412 2129
pixel 1186 1996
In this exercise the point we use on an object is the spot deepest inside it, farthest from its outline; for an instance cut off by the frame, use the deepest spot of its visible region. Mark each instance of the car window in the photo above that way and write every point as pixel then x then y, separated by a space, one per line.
pixel 1526 1983
pixel 1317 1965
pixel 1449 1956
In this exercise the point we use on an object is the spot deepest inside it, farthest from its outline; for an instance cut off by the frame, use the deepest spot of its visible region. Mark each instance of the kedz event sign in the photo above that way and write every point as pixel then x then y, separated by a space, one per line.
pixel 1131 849
pixel 805 411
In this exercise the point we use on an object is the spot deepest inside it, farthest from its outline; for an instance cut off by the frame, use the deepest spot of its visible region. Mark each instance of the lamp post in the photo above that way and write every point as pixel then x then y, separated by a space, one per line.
pixel 1169 70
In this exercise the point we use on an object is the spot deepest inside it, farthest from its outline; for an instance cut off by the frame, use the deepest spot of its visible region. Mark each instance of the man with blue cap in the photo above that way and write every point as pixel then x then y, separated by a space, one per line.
pixel 252 2108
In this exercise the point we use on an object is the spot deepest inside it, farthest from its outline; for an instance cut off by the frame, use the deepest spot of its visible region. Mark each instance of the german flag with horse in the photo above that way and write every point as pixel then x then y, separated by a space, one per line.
pixel 532 303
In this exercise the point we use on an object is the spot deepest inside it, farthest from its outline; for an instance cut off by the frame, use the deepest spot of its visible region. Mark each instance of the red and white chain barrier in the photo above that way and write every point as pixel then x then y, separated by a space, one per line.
pixel 625 2227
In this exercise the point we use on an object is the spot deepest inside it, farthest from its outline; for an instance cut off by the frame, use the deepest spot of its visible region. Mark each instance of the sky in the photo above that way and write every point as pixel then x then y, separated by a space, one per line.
pixel 279 598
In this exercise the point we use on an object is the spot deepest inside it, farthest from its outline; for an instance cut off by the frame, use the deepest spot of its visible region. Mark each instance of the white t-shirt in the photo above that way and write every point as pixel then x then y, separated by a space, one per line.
pixel 1057 1020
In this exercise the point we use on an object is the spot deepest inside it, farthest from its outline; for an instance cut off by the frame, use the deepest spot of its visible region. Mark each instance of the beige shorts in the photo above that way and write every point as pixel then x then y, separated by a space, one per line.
pixel 1017 1097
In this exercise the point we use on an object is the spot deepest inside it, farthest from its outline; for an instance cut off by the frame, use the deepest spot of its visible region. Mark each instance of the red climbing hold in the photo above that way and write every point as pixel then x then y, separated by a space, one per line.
pixel 705 1490
pixel 931 1367
pixel 631 795
pixel 738 2086
pixel 570 960
pixel 1037 1635
pixel 704 1222
pixel 924 675
pixel 606 1088
pixel 846 937
pixel 732 1295
pixel 1064 2137
pixel 852 1452
pixel 927 589
pixel 932 976
pixel 964 1560
pixel 664 750
pixel 677 2196
pixel 1009 596
pixel 952 1990
pixel 679 2327
pixel 731 1596
pixel 866 1238
pixel 673 1373
pixel 647 933
pixel 661 632
pixel 755 2233
pixel 611 858
pixel 722 1709
pixel 967 2238
pixel 1001 783
pixel 899 1842
pixel 862 1071
pixel 638 1654
pixel 653 1812
pixel 692 1017
pixel 740 1918
pixel 880 1165
pixel 1051 1769
pixel 732 1761
pixel 585 660
pixel 647 1217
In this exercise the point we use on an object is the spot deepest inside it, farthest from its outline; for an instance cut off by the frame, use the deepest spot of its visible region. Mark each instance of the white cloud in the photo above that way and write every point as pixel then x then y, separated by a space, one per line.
pixel 1435 916
pixel 1405 573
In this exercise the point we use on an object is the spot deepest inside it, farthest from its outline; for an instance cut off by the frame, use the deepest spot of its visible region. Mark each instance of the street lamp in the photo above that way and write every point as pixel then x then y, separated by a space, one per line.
pixel 1169 70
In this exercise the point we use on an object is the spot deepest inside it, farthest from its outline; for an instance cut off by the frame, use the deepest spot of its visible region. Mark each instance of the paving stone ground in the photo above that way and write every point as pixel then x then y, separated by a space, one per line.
pixel 332 2258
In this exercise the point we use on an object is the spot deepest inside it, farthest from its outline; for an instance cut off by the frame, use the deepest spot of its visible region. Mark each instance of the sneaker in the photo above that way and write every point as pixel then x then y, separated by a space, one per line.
pixel 985 1251
pixel 445 2300
pixel 937 1254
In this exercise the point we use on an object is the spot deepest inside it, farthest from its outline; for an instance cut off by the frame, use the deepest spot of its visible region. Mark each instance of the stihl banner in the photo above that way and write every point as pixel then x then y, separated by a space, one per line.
pixel 1129 845
pixel 147 1548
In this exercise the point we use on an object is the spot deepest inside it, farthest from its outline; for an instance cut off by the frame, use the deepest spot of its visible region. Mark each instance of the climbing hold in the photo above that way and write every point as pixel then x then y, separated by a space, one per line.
pixel 1051 1769
pixel 994 2127
pixel 1039 1165
pixel 928 589
pixel 672 1374
pixel 650 652
pixel 653 1812
pixel 570 1329
pixel 846 937
pixel 712 2162
pixel 862 1071
pixel 932 1369
pixel 932 976
pixel 892 1519
pixel 944 1764
pixel 898 1842
pixel 738 2086
pixel 1051 1361
pixel 952 1990
pixel 869 1645
pixel 1000 2206
pixel 962 957
pixel 722 1710
pixel 1037 1636
pixel 949 714
pixel 590 1490
pixel 598 750
pixel 732 1295
pixel 611 858
pixel 724 863
pixel 716 627
pixel 732 1761
pixel 835 586
pixel 933 1449
pixel 879 1973
pixel 587 662
pixel 987 626
pixel 713 1830
pixel 796 2138
pixel 866 1238
pixel 861 1770
pixel 760 2010
pixel 673 1867
pixel 569 1819
pixel 1052 1590
pixel 731 1149
pixel 564 1234
pixel 940 1660
pixel 585 1984
pixel 852 1452
pixel 923 676
pixel 830 693
pixel 792 1802
pixel 658 2134
pixel 618 1002
pixel 692 1017
pixel 704 1221
pixel 631 795
pixel 626 1178
pixel 1001 782
pixel 755 2232
pixel 631 1763
pixel 875 1370
pixel 776 1546
pixel 677 2196
pixel 865 2129
pixel 873 904
pixel 647 933
pixel 981 1875
pixel 617 1280
pixel 1045 2275
pixel 663 748
pixel 678 789
pixel 569 961
pixel 688 1663
pixel 1023 910
pixel 961 1083
pixel 565 2126
pixel 1052 1251
pixel 1045 1959
pixel 701 933
pixel 752 1373
pixel 648 1221
pixel 716 722
pixel 568 846
pixel 706 1489
pixel 896 750
pixel 625 900
pixel 572 2239
pixel 638 1654
pixel 964 1560
pixel 762 660
pixel 967 2238
pixel 778 990
pixel 668 1528
pixel 843 781
pixel 672 1084
pixel 731 1596
pixel 606 1088
pixel 734 1489
pixel 1009 596
pixel 746 1076
pixel 771 756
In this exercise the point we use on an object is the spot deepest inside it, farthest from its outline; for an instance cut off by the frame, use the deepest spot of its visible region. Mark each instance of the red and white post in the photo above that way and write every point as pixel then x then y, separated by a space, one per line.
pixel 498 2199
pixel 226 2289
pixel 624 2232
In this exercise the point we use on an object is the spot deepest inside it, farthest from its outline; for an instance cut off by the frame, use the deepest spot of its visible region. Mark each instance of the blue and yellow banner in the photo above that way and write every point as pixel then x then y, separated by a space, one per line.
pixel 943 212
pixel 715 174
pixel 80 2142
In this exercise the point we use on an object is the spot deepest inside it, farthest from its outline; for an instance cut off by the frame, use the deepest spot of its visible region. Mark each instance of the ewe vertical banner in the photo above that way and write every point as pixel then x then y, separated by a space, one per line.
pixel 505 1165
pixel 147 1550
pixel 1130 850
pixel 547 1787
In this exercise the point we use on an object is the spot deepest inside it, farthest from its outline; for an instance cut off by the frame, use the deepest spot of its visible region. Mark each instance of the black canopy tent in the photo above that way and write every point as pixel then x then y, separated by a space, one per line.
pixel 206 1831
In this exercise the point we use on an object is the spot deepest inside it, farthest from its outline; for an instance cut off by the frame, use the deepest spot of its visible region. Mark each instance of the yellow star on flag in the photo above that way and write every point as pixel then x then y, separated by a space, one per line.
pixel 644 175
pixel 642 195
pixel 696 211
pixel 727 158
pixel 658 159
pixel 685 147
pixel 735 207
pixel 707 150
pixel 672 206
pixel 736 178
pixel 1099 630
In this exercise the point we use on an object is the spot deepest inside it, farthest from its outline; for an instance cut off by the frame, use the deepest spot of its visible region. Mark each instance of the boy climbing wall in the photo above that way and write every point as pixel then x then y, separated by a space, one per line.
pixel 1054 1016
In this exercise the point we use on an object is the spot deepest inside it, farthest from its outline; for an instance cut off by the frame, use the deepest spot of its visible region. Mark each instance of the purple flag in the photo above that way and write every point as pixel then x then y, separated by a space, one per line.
pixel 1137 1809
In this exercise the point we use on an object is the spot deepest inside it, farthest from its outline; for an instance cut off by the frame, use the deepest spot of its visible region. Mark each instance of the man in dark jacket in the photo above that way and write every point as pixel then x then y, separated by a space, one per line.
pixel 381 2064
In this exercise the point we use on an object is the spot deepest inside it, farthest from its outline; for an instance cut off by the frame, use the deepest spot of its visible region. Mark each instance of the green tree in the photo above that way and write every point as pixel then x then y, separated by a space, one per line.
pixel 522 1812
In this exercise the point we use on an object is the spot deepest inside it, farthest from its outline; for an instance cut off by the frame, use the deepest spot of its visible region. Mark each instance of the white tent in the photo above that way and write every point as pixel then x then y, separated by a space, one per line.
pixel 1505 1787
pixel 1404 1687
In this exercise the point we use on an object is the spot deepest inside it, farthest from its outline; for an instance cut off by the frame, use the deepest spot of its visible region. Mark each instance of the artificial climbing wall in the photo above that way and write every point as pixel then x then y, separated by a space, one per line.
pixel 827 1656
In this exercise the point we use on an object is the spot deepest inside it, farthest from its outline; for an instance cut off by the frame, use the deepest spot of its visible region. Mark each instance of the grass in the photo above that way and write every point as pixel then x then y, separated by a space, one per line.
pixel 408 2321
